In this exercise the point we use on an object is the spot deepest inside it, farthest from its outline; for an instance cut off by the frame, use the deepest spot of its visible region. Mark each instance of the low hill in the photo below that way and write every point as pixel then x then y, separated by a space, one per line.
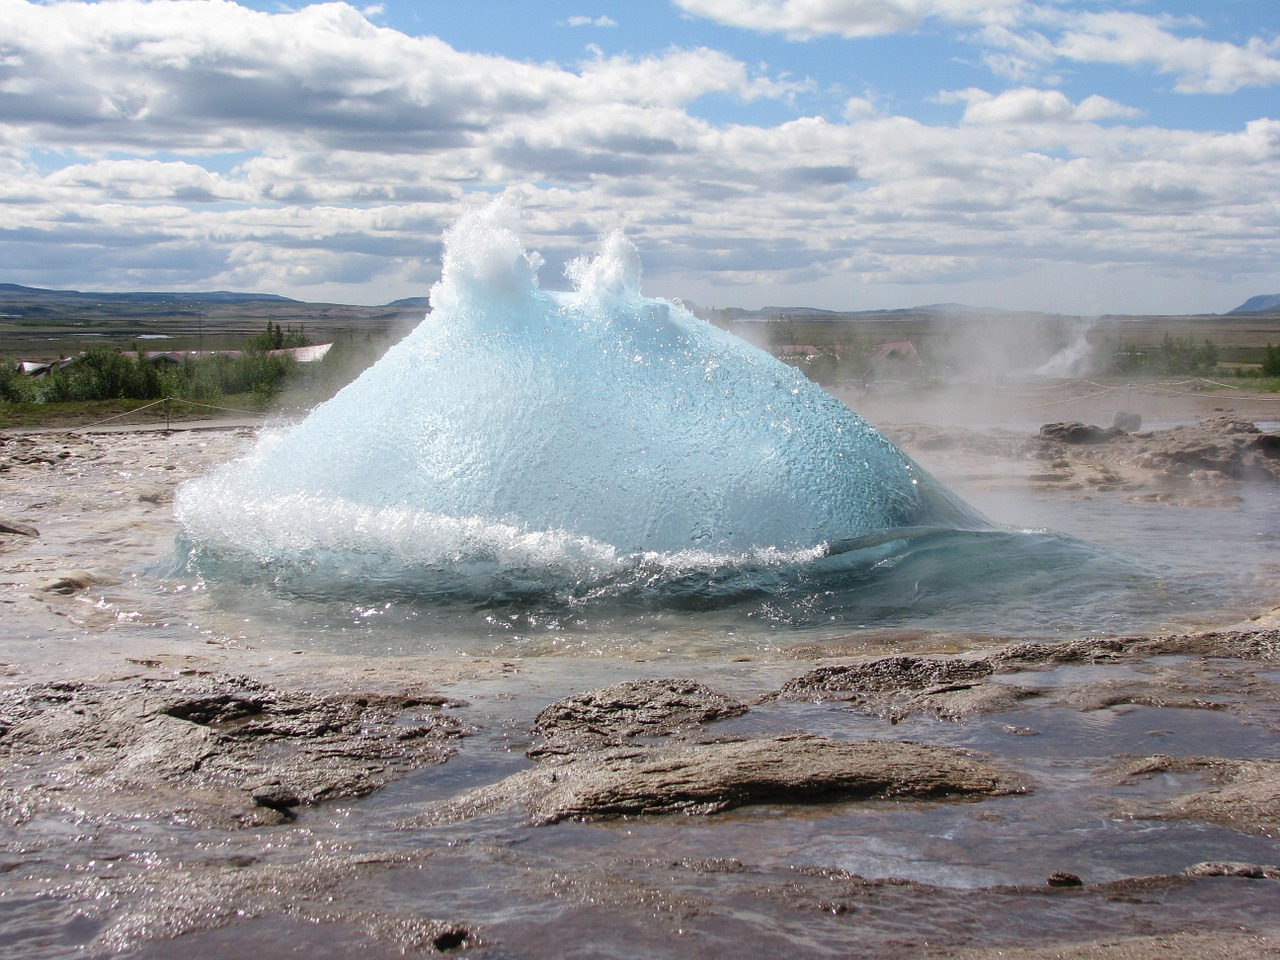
pixel 1263 303
pixel 10 292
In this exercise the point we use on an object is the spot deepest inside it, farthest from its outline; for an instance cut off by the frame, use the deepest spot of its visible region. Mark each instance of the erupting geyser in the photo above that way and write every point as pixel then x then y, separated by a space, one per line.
pixel 521 433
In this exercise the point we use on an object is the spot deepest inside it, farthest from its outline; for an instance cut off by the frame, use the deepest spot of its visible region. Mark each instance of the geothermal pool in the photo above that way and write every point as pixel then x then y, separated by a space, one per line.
pixel 1121 569
pixel 598 469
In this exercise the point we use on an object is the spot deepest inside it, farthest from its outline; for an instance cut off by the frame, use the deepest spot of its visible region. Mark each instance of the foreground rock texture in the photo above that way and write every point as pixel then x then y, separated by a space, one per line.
pixel 635 708
pixel 100 856
pixel 224 751
pixel 713 777
pixel 1191 465
pixel 960 688
pixel 1215 452
pixel 898 686
pixel 1240 794
pixel 328 893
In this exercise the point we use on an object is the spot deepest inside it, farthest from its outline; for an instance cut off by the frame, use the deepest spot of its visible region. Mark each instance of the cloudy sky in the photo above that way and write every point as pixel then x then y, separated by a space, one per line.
pixel 1075 156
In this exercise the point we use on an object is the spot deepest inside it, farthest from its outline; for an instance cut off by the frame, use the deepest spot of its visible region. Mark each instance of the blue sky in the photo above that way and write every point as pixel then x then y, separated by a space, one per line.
pixel 1073 156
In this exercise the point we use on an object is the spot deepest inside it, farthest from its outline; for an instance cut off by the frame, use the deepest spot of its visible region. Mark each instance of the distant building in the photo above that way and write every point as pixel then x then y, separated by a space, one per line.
pixel 42 368
pixel 902 349
pixel 306 354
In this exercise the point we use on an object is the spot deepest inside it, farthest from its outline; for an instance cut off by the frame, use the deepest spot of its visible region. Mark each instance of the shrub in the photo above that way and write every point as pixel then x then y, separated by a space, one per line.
pixel 1175 356
pixel 1271 362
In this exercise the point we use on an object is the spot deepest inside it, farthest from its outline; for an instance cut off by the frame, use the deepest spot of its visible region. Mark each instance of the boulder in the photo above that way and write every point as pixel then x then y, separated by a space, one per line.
pixel 1127 422
pixel 1075 433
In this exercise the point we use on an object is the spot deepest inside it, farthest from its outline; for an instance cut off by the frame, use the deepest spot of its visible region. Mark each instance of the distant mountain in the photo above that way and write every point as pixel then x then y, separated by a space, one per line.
pixel 798 313
pixel 215 296
pixel 412 303
pixel 958 311
pixel 1264 303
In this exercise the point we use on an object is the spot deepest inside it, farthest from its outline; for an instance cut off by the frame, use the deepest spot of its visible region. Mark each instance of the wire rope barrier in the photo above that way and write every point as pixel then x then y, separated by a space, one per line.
pixel 168 421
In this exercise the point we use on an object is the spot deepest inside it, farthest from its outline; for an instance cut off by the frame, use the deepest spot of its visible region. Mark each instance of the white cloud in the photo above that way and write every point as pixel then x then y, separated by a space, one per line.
pixel 1201 65
pixel 1016 55
pixel 803 19
pixel 859 108
pixel 1028 105
pixel 204 145
pixel 674 78
pixel 592 22
pixel 1015 51
pixel 147 180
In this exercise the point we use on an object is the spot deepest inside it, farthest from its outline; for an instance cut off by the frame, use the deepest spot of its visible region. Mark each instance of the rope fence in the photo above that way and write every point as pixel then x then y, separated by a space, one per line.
pixel 168 423
pixel 1165 388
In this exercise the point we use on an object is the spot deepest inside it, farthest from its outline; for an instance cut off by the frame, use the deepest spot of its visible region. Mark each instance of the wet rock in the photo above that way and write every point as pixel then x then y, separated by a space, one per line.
pixel 1126 421
pixel 1262 645
pixel 156 495
pixel 1089 650
pixel 1215 452
pixel 17 528
pixel 886 674
pixel 1242 794
pixel 1221 447
pixel 710 778
pixel 1060 878
pixel 1014 730
pixel 214 751
pixel 896 687
pixel 1165 692
pixel 187 900
pixel 1074 433
pixel 276 796
pixel 635 708
pixel 1258 645
pixel 71 582
pixel 1213 945
pixel 1231 868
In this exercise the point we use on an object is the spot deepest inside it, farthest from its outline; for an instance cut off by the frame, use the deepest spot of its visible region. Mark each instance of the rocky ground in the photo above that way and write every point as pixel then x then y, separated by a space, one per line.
pixel 167 790
pixel 1198 464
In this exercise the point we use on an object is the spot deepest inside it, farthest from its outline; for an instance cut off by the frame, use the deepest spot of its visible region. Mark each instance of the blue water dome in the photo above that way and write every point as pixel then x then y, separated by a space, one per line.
pixel 527 430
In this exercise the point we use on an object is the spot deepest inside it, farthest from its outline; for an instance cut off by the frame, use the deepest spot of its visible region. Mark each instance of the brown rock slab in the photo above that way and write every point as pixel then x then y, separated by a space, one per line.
pixel 885 674
pixel 613 715
pixel 896 687
pixel 714 777
pixel 1233 868
pixel 1241 795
